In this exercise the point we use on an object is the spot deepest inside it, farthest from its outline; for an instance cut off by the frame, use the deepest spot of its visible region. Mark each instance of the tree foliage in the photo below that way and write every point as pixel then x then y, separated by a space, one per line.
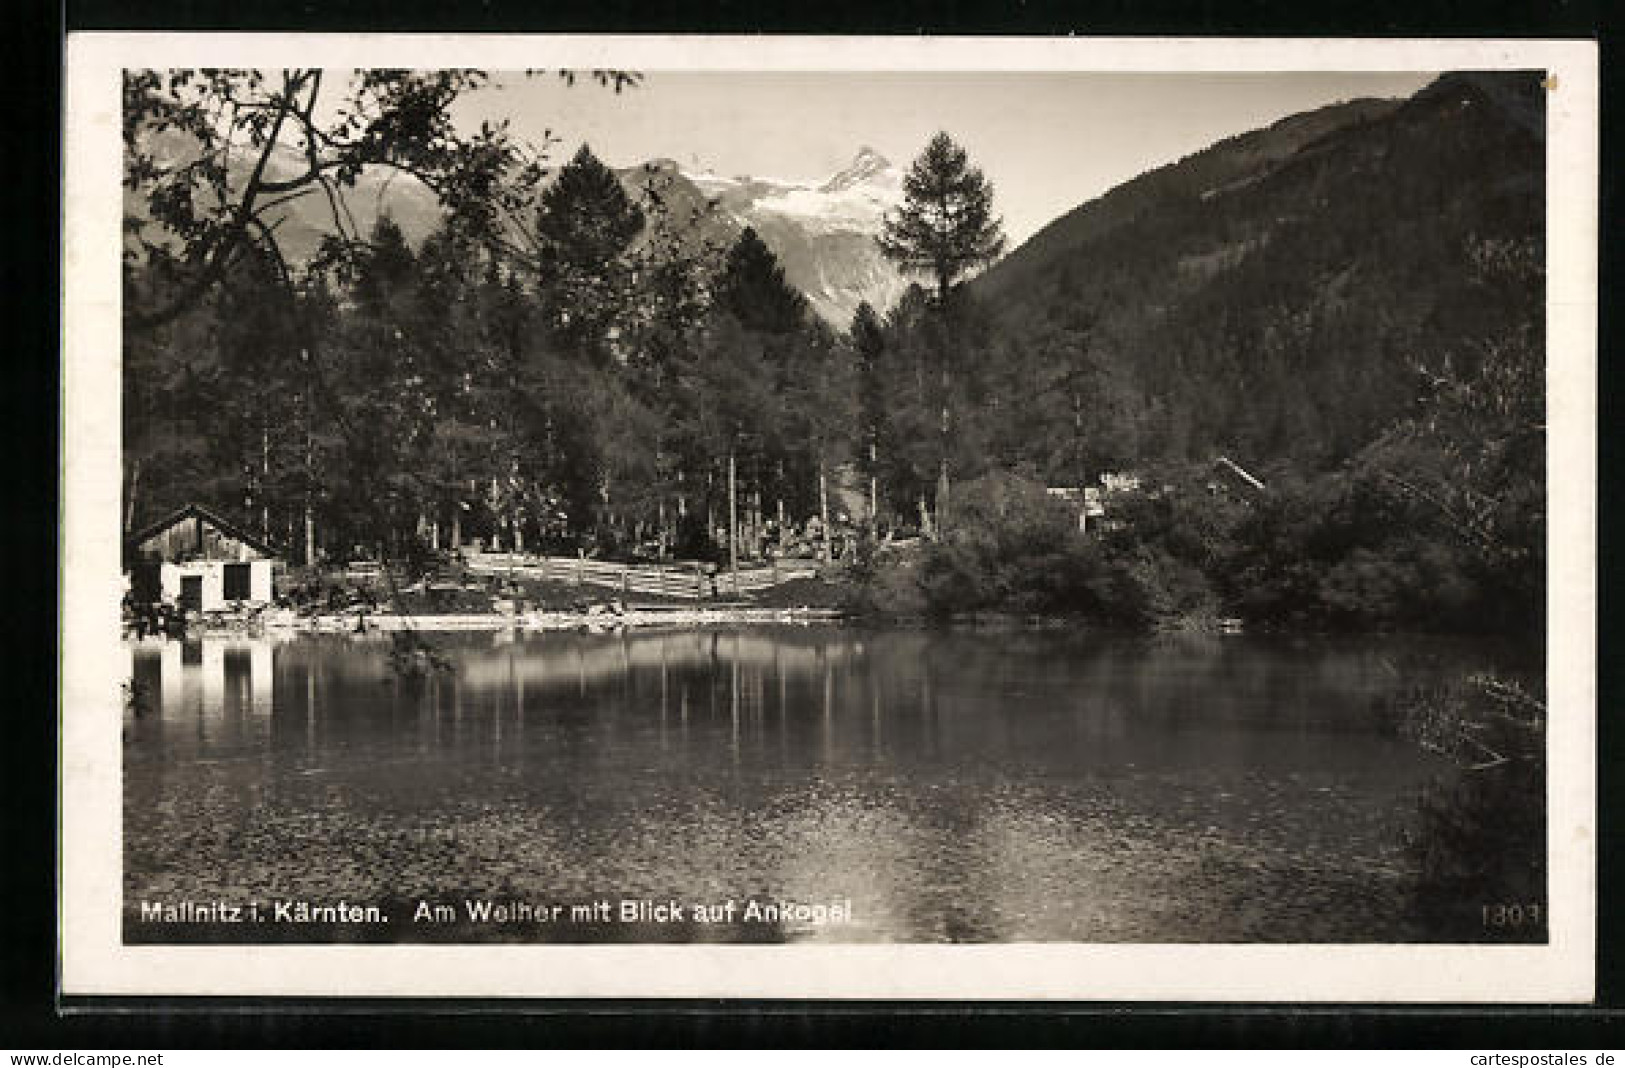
pixel 752 288
pixel 586 225
pixel 210 155
pixel 945 227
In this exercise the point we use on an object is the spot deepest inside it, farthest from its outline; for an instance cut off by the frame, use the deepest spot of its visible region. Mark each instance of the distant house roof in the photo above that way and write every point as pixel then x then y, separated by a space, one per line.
pixel 197 511
pixel 1227 464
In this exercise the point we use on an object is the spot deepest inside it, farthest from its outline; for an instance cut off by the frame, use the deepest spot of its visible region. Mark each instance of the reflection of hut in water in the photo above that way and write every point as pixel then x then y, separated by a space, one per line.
pixel 196 559
pixel 207 681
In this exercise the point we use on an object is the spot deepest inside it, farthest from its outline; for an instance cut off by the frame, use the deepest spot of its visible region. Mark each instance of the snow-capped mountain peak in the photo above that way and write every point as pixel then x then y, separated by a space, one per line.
pixel 867 166
pixel 823 231
pixel 854 197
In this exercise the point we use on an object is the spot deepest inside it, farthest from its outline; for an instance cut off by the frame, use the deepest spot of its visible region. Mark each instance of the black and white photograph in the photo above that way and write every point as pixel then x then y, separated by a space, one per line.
pixel 598 503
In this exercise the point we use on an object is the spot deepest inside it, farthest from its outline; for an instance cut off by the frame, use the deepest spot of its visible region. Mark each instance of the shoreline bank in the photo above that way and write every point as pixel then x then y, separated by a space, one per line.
pixel 602 619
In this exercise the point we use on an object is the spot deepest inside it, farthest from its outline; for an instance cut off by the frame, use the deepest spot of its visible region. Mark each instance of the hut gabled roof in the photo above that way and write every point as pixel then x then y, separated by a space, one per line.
pixel 197 511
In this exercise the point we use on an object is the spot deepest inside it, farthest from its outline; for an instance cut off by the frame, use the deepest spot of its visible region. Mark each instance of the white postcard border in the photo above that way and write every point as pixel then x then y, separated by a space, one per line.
pixel 95 962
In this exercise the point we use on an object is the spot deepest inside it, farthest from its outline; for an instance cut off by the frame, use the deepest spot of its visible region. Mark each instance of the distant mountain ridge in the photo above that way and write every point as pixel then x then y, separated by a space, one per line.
pixel 822 230
pixel 1221 167
pixel 301 224
pixel 1140 255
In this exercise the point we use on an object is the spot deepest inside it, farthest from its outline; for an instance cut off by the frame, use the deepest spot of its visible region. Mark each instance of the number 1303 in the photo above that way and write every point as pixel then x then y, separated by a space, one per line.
pixel 1511 915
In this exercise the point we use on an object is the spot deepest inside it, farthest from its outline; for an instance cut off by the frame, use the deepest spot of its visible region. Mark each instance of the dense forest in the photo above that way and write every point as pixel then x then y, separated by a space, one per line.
pixel 393 399
pixel 1349 304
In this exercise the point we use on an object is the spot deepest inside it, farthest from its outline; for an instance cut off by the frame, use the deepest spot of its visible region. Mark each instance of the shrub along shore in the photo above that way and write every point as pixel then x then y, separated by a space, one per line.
pixel 1347 551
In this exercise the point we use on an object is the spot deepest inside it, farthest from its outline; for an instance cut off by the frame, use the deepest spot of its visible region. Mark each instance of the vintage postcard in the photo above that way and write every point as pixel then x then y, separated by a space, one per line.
pixel 829 518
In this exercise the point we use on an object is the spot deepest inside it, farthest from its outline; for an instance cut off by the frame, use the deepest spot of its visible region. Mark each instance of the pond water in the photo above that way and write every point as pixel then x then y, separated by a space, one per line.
pixel 775 783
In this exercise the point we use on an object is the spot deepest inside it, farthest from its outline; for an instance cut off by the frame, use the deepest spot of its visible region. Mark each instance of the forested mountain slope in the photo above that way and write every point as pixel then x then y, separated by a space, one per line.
pixel 1283 295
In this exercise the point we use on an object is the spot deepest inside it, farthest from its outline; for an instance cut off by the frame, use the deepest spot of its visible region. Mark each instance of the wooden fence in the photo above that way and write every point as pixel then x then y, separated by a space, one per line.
pixel 682 580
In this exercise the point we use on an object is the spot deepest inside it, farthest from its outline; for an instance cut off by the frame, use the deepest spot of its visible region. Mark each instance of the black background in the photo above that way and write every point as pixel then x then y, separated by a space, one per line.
pixel 31 57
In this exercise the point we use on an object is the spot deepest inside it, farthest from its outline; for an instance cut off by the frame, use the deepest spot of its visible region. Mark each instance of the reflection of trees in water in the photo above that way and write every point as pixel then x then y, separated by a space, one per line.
pixel 1481 839
pixel 957 785
pixel 838 695
pixel 1192 679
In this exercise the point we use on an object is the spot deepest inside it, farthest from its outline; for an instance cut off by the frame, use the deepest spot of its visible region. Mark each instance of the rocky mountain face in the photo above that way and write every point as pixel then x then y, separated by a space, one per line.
pixel 822 231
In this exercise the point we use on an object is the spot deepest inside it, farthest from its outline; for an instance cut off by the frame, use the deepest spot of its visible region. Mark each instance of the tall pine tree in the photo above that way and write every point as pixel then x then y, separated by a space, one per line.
pixel 586 227
pixel 868 341
pixel 945 227
pixel 752 289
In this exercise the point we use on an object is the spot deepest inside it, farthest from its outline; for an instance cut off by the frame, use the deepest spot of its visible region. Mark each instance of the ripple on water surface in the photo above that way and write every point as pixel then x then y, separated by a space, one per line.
pixel 1024 787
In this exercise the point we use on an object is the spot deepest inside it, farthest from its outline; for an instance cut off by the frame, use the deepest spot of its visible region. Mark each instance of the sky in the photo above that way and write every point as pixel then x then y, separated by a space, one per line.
pixel 1047 141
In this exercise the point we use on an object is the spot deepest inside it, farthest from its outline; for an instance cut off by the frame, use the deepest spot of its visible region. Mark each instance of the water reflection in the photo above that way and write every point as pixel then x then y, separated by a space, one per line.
pixel 218 689
pixel 961 786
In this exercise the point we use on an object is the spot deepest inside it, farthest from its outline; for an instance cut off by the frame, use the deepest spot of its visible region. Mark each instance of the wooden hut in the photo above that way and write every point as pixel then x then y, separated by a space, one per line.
pixel 199 560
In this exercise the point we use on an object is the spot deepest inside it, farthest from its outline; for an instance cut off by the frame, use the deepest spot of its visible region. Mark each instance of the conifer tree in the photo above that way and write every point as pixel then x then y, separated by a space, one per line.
pixel 945 227
pixel 586 226
pixel 384 270
pixel 752 289
pixel 586 218
pixel 868 341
